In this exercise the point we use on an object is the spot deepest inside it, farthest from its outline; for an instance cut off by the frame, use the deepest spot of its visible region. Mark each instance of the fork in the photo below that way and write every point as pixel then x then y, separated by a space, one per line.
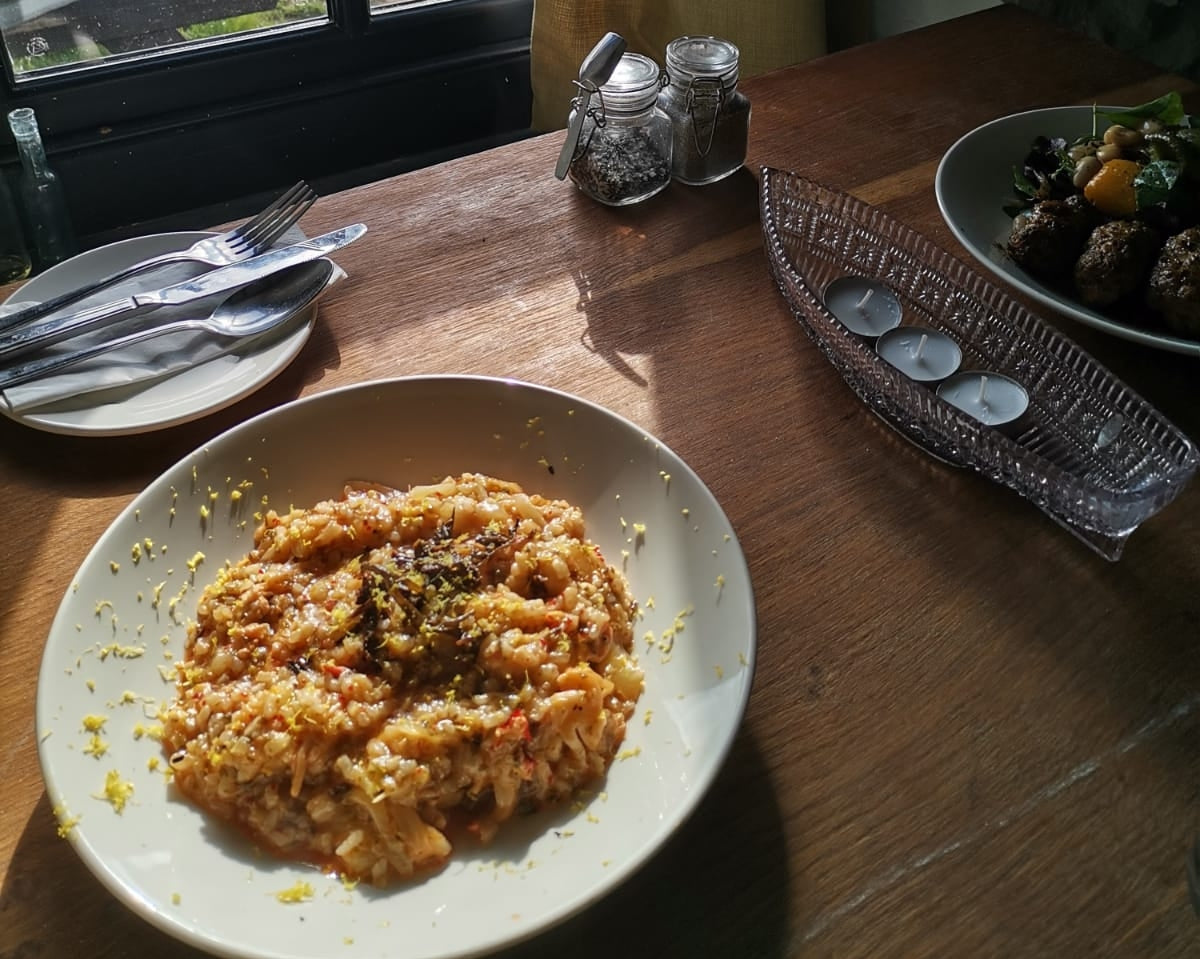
pixel 249 239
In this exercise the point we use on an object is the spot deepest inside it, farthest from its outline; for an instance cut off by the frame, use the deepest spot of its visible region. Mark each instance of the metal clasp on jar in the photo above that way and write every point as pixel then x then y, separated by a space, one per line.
pixel 587 90
pixel 705 92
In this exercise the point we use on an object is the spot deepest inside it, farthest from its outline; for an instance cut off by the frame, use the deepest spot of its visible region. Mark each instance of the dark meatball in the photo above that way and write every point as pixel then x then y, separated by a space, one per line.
pixel 1048 239
pixel 1175 283
pixel 1115 262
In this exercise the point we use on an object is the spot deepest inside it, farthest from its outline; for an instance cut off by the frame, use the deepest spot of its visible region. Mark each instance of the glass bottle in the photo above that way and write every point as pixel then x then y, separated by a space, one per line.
pixel 41 194
pixel 15 263
pixel 709 115
pixel 624 153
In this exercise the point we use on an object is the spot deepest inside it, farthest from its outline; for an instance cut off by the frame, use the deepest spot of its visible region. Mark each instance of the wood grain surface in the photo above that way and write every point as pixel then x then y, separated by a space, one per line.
pixel 968 736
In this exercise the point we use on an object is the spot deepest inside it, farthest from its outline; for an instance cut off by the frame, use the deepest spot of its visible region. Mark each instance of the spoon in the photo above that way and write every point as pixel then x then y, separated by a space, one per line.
pixel 251 310
pixel 594 72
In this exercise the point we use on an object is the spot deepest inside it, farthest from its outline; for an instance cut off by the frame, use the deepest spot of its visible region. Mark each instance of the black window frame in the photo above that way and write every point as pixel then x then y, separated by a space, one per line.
pixel 208 132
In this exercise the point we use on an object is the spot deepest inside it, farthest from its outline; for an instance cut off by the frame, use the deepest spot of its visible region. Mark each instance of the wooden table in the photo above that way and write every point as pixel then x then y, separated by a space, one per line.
pixel 969 735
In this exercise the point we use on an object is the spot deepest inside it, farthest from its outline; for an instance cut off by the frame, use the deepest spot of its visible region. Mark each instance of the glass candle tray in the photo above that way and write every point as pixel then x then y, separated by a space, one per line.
pixel 1091 454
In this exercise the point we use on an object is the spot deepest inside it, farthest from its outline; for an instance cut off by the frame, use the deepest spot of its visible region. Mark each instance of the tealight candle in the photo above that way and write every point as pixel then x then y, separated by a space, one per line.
pixel 863 306
pixel 991 398
pixel 920 354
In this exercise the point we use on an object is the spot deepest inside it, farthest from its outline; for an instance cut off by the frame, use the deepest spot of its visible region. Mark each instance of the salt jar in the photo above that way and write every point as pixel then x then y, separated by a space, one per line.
pixel 624 152
pixel 710 117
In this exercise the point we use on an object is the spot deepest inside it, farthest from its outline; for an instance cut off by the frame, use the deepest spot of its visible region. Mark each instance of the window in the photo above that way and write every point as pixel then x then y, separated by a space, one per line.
pixel 158 109
pixel 46 37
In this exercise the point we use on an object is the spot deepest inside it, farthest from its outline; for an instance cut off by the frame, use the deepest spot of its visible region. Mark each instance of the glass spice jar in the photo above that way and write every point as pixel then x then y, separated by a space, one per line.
pixel 624 152
pixel 709 115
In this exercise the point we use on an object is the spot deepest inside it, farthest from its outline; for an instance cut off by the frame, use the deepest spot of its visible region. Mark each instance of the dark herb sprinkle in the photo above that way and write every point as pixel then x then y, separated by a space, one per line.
pixel 621 165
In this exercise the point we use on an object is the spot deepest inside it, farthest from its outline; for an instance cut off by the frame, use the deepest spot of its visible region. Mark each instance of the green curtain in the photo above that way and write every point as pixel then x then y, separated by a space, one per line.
pixel 769 34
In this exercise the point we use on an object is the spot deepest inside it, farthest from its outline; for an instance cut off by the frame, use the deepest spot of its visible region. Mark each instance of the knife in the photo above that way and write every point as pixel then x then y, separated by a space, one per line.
pixel 217 281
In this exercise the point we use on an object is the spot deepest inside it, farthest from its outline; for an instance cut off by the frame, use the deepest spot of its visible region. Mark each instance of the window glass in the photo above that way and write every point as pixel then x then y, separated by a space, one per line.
pixel 383 6
pixel 51 36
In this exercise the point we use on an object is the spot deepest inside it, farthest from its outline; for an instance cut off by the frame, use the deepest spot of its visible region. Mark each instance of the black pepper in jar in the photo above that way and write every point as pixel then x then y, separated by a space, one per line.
pixel 620 165
pixel 710 117
pixel 624 153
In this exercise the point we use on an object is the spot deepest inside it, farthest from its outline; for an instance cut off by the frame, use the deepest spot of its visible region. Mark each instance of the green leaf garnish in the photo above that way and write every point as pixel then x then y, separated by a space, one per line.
pixel 1154 183
pixel 1167 110
pixel 1023 184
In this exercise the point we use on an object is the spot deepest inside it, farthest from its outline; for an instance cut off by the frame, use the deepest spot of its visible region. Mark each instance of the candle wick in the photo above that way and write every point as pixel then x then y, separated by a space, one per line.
pixel 862 304
pixel 982 391
pixel 921 346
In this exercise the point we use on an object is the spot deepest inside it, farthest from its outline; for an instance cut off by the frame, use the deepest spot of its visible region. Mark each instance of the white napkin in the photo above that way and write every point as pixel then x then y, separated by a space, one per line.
pixel 111 376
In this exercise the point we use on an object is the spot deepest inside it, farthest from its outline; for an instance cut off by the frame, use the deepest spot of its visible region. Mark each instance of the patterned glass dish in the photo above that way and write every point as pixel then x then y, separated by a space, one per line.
pixel 1091 453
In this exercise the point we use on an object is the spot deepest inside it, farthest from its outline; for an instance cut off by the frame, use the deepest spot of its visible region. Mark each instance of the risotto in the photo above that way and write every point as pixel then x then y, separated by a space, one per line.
pixel 388 667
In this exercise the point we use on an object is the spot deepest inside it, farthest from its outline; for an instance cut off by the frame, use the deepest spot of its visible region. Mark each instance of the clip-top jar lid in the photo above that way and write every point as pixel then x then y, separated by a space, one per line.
pixel 634 72
pixel 702 56
pixel 633 86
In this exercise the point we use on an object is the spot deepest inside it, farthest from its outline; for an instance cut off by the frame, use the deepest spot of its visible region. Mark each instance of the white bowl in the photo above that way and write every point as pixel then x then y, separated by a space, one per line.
pixel 208 887
pixel 975 180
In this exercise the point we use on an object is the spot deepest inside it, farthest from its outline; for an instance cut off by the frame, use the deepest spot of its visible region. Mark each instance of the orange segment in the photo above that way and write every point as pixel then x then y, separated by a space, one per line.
pixel 1111 190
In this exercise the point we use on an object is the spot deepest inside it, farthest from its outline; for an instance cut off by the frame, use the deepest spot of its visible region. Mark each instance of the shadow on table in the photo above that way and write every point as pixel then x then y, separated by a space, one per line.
pixel 1156 667
pixel 49 906
pixel 684 252
pixel 720 887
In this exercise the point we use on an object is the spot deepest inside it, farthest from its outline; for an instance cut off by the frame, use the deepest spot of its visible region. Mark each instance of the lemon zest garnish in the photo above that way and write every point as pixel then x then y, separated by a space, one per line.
pixel 116 791
pixel 96 746
pixel 66 822
pixel 120 652
pixel 300 892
